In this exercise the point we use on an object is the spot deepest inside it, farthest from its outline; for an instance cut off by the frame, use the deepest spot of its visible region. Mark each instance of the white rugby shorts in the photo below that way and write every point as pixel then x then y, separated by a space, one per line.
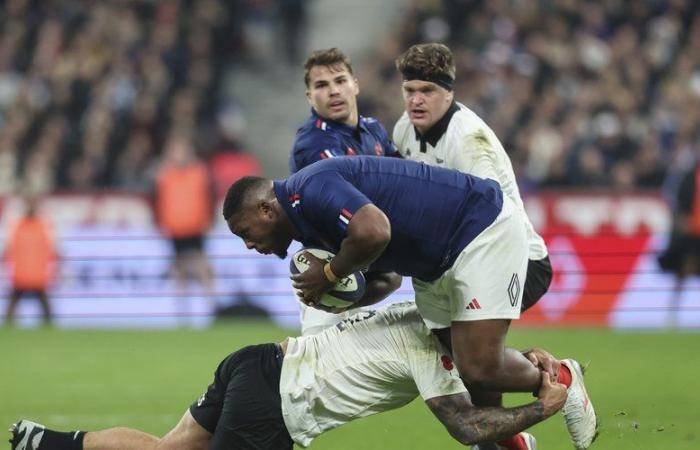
pixel 487 279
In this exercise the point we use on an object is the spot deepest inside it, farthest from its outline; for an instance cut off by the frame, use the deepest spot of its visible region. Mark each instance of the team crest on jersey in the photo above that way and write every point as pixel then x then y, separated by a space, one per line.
pixel 378 149
pixel 295 200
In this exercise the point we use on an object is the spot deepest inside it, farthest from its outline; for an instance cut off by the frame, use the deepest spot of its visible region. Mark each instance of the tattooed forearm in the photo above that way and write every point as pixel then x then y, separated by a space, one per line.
pixel 471 424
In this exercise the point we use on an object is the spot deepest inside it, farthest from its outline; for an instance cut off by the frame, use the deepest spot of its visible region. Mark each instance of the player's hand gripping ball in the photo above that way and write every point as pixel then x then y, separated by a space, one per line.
pixel 346 292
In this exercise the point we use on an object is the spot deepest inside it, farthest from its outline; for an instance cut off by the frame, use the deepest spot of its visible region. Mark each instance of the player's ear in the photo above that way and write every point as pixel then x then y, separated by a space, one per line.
pixel 265 208
pixel 308 96
pixel 357 86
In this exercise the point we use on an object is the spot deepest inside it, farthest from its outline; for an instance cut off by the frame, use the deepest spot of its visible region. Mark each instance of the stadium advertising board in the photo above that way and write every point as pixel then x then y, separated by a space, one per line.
pixel 114 269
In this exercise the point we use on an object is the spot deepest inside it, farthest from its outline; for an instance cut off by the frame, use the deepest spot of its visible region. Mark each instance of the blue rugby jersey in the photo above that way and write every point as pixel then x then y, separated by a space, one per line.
pixel 321 138
pixel 434 212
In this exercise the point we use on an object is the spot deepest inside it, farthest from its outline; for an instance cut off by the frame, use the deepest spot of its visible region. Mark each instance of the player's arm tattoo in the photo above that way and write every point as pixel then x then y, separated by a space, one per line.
pixel 470 424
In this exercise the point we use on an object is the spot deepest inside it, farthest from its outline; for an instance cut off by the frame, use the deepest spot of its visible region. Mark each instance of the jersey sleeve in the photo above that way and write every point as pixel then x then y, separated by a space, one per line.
pixel 435 374
pixel 313 147
pixel 330 202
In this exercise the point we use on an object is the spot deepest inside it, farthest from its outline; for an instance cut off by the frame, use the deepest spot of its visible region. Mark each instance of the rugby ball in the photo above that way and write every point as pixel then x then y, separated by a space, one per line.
pixel 346 292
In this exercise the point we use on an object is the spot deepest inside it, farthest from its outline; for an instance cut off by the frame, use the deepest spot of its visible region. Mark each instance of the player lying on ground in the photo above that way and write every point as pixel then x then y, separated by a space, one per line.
pixel 271 396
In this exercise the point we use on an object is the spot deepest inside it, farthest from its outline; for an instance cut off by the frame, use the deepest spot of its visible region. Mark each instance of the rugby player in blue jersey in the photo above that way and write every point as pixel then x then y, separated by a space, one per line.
pixel 335 128
pixel 456 235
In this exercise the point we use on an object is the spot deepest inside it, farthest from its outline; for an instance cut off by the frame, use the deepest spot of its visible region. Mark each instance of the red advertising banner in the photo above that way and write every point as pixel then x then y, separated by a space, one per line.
pixel 596 245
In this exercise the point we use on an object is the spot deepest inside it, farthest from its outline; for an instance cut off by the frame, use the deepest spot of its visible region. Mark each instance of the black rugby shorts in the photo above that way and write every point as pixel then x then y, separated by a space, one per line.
pixel 242 407
pixel 537 281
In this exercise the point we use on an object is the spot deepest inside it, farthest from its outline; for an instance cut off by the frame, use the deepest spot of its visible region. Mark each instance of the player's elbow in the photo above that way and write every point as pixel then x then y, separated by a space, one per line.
pixel 465 434
pixel 394 281
pixel 371 228
pixel 380 231
pixel 376 237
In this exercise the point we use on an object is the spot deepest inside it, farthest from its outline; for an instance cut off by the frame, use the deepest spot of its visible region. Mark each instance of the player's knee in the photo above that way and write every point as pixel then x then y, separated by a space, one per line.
pixel 475 373
pixel 187 434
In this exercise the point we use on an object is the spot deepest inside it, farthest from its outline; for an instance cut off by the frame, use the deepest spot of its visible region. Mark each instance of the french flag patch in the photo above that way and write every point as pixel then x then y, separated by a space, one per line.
pixel 294 199
pixel 344 217
pixel 326 154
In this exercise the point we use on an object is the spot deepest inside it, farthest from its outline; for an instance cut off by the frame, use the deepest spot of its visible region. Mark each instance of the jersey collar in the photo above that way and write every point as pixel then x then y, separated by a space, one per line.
pixel 341 127
pixel 433 135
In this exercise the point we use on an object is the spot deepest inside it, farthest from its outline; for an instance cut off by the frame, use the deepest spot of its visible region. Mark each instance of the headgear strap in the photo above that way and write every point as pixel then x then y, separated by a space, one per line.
pixel 443 81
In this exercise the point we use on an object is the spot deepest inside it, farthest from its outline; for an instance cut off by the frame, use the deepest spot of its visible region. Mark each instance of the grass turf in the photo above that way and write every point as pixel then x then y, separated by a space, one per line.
pixel 644 385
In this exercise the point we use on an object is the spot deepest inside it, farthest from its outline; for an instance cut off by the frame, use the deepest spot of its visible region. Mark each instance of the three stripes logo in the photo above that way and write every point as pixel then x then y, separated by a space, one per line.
pixel 474 304
pixel 344 218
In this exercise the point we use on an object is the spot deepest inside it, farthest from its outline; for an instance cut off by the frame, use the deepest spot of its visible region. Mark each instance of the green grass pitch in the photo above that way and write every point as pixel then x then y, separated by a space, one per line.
pixel 644 385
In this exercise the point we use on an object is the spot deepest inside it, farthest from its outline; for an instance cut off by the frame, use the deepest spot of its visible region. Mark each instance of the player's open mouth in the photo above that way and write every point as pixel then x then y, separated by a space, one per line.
pixel 337 105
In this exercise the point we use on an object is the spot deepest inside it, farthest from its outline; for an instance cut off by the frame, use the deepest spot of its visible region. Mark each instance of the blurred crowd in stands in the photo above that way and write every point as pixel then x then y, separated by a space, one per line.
pixel 90 91
pixel 592 94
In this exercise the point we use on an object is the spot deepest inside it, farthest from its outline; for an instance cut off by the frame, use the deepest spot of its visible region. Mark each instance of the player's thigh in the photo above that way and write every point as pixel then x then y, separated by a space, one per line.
pixel 487 278
pixel 433 303
pixel 187 434
pixel 251 416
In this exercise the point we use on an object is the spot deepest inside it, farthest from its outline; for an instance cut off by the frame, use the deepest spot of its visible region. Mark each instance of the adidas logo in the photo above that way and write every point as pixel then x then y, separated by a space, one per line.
pixel 474 304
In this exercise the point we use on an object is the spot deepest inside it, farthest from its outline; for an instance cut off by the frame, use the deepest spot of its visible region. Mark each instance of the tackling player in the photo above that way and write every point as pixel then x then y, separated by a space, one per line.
pixel 335 128
pixel 272 396
pixel 459 238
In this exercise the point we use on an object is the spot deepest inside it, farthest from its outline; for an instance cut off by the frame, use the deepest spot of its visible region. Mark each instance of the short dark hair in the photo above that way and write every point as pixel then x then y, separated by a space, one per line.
pixel 238 193
pixel 434 60
pixel 329 57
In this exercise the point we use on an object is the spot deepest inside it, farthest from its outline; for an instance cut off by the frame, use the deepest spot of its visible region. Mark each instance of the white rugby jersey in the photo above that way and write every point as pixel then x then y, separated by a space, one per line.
pixel 372 362
pixel 462 141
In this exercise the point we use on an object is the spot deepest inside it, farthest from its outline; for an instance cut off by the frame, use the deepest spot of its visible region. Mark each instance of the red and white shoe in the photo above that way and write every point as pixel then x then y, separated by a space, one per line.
pixel 578 410
pixel 522 441
pixel 525 441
